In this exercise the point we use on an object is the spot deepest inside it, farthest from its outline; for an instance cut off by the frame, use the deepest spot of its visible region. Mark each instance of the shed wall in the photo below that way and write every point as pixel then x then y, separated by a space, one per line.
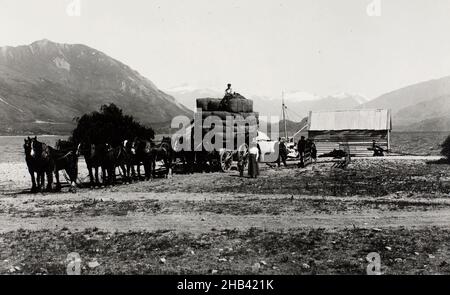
pixel 357 140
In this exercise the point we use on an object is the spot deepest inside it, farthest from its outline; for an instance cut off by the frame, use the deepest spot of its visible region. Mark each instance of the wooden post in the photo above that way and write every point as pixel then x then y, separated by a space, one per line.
pixel 389 140
pixel 389 127
pixel 284 116
pixel 309 121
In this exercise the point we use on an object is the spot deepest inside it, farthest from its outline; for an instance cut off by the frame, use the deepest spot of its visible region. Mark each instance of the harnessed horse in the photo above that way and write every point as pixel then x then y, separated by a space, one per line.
pixel 39 160
pixel 162 152
pixel 115 157
pixel 68 161
pixel 94 155
pixel 140 151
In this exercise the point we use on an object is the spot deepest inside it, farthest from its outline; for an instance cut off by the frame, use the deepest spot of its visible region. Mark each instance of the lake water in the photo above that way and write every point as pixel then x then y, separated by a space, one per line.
pixel 11 147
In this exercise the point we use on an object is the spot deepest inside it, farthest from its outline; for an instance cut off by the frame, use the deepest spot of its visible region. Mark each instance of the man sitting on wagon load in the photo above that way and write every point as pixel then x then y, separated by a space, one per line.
pixel 229 90
pixel 229 94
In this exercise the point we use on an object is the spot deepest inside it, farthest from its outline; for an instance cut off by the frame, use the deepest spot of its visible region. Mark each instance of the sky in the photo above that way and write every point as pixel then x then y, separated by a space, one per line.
pixel 263 47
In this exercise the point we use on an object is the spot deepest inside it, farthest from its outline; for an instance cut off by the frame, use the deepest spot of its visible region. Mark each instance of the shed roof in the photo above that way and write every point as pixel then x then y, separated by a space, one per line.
pixel 350 120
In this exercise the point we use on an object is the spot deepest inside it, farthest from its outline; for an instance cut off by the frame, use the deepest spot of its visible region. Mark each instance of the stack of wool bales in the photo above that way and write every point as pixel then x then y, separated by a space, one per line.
pixel 236 106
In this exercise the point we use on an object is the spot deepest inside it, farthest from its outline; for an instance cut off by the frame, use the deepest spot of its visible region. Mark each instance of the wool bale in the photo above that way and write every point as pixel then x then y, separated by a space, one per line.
pixel 232 129
pixel 214 104
pixel 208 104
pixel 202 103
pixel 250 114
pixel 247 105
pixel 232 106
pixel 221 114
pixel 237 105
pixel 224 114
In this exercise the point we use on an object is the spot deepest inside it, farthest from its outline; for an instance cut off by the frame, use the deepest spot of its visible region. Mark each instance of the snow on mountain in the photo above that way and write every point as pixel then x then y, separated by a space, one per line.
pixel 299 103
pixel 300 96
pixel 187 94
pixel 345 95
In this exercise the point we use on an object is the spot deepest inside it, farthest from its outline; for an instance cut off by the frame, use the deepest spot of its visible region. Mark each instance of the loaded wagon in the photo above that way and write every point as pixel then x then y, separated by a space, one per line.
pixel 227 125
pixel 237 128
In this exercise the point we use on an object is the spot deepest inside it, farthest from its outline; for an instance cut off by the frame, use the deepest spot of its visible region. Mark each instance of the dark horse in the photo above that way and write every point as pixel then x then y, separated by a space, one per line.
pixel 140 154
pixel 65 158
pixel 39 161
pixel 162 152
pixel 94 155
pixel 187 157
pixel 116 157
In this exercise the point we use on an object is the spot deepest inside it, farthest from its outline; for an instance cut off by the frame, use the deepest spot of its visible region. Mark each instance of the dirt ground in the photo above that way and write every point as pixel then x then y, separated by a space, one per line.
pixel 317 220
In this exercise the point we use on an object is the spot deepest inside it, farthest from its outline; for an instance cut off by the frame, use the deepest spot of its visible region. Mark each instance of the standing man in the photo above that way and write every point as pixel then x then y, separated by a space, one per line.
pixel 253 168
pixel 282 152
pixel 242 162
pixel 301 146
pixel 313 151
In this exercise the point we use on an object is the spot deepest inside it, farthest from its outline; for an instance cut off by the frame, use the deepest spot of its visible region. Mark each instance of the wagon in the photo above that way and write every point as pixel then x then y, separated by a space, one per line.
pixel 266 152
pixel 232 150
pixel 224 158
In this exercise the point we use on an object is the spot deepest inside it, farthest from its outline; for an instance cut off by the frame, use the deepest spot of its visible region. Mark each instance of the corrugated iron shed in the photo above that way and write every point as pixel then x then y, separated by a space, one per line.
pixel 350 120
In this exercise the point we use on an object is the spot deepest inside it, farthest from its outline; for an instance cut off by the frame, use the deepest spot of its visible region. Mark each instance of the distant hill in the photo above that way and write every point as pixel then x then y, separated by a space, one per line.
pixel 187 95
pixel 291 127
pixel 298 103
pixel 426 115
pixel 423 106
pixel 435 124
pixel 45 85
pixel 298 107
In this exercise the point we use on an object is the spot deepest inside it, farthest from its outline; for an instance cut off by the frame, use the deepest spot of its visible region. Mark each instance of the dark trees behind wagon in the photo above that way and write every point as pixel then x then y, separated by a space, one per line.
pixel 446 148
pixel 109 125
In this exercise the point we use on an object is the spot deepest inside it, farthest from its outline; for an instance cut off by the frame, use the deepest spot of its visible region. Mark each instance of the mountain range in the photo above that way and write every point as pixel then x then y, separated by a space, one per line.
pixel 298 104
pixel 45 85
pixel 424 106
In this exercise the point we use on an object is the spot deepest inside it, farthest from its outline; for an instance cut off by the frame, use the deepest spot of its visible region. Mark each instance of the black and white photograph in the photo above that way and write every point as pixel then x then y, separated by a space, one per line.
pixel 224 138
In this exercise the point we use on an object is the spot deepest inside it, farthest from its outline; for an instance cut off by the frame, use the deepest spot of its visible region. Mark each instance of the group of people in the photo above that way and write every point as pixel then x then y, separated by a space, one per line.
pixel 306 150
pixel 305 147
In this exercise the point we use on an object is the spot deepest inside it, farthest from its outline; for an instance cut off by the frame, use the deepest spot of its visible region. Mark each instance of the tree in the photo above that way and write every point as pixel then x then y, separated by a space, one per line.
pixel 446 148
pixel 109 125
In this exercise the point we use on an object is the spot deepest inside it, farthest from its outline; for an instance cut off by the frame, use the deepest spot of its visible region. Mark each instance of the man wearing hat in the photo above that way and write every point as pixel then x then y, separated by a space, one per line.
pixel 301 146
pixel 229 90
pixel 282 151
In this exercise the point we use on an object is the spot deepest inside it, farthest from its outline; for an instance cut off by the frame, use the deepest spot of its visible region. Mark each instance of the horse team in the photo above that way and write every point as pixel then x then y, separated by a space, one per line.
pixel 45 161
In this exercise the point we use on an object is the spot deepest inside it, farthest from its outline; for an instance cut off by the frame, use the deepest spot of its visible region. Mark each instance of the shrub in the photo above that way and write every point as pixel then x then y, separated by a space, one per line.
pixel 109 125
pixel 446 148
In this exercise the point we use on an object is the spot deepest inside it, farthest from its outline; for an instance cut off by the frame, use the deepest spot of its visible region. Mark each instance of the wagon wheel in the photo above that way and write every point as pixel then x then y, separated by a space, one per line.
pixel 226 160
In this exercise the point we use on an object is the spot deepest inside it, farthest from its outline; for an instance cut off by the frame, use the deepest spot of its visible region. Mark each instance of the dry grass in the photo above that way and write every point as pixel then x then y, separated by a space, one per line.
pixel 403 251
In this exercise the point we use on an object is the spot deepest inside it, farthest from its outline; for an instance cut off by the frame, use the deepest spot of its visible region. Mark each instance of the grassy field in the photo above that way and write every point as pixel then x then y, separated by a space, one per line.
pixel 318 220
pixel 420 143
pixel 255 251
